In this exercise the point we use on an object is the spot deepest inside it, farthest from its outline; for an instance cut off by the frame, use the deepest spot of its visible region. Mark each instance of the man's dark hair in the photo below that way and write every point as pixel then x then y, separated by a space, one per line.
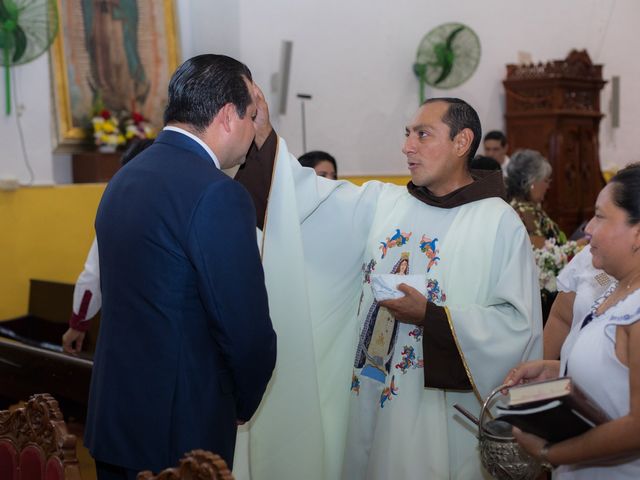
pixel 626 185
pixel 461 115
pixel 496 135
pixel 202 85
pixel 311 159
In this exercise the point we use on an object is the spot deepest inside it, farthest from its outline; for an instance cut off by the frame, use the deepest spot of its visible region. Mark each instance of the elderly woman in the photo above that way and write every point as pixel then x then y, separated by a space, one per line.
pixel 604 357
pixel 528 179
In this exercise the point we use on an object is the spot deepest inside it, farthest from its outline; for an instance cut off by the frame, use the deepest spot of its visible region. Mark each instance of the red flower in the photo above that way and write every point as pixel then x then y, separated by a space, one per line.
pixel 137 118
pixel 105 114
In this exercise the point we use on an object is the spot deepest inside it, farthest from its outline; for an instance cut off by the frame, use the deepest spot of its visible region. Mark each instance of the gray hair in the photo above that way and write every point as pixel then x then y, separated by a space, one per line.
pixel 524 169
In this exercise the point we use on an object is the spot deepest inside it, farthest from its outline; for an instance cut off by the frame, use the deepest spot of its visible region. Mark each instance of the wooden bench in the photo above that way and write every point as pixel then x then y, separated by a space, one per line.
pixel 31 357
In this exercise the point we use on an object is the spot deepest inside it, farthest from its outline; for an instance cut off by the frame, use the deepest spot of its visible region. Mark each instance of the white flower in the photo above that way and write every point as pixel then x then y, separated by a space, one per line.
pixel 550 259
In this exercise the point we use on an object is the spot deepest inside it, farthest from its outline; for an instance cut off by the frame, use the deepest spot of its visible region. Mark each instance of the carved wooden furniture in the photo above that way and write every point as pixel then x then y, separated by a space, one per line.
pixel 31 358
pixel 195 465
pixel 35 443
pixel 555 108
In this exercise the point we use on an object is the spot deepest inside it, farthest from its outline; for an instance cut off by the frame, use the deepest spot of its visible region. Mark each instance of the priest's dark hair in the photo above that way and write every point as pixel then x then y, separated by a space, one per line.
pixel 461 115
pixel 204 84
pixel 626 191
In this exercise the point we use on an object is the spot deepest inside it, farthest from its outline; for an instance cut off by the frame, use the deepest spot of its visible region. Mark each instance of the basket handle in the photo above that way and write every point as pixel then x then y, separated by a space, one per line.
pixel 485 408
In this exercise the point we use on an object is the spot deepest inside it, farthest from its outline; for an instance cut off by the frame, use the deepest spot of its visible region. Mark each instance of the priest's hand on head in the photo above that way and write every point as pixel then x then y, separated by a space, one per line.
pixel 409 309
pixel 262 122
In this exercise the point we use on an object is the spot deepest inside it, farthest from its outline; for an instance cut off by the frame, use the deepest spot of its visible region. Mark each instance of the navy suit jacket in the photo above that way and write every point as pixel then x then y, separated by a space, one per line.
pixel 186 346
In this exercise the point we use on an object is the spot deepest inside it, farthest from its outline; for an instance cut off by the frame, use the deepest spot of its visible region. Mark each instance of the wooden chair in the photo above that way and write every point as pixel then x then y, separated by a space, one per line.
pixel 35 443
pixel 195 465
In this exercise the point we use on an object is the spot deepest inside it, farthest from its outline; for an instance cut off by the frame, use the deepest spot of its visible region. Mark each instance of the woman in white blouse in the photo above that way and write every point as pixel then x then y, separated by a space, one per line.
pixel 604 357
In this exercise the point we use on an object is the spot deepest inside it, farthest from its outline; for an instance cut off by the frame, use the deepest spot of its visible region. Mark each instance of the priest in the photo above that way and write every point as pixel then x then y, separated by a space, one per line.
pixel 364 389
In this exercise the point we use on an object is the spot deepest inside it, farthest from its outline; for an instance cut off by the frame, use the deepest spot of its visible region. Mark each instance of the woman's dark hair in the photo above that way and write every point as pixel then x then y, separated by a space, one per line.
pixel 626 191
pixel 311 159
pixel 482 162
pixel 202 85
pixel 134 149
pixel 525 167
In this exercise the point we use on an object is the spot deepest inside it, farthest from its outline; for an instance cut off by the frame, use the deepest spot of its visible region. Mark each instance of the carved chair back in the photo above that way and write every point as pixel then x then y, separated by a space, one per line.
pixel 195 465
pixel 35 443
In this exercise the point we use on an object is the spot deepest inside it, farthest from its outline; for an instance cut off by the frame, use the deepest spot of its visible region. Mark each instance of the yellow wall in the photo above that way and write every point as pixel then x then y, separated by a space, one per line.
pixel 45 233
pixel 397 179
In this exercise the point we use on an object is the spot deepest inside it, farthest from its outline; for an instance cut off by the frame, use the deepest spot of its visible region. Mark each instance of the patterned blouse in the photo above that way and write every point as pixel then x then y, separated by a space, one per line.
pixel 537 222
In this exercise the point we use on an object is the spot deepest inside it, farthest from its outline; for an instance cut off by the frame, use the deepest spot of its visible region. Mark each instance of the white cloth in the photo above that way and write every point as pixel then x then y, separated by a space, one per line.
pixel 588 283
pixel 593 364
pixel 89 280
pixel 322 236
pixel 385 286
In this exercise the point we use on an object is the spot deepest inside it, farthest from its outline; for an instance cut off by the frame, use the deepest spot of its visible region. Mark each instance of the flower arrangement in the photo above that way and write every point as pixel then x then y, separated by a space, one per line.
pixel 552 258
pixel 137 127
pixel 111 130
pixel 106 130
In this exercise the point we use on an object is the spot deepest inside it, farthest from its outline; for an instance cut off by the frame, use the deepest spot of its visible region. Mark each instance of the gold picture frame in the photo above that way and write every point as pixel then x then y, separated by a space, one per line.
pixel 124 36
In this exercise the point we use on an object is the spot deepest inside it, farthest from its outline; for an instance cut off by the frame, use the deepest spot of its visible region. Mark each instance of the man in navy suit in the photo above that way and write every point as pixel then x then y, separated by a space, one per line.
pixel 186 346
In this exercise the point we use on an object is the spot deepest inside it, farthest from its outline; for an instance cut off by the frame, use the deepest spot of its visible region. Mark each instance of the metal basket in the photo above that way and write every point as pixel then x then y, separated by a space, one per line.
pixel 500 454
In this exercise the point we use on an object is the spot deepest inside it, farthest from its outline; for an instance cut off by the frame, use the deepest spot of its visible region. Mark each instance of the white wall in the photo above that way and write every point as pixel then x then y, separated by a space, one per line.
pixel 355 59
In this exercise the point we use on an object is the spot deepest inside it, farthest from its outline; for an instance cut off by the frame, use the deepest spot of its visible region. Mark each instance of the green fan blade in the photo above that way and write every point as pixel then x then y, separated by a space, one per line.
pixel 27 29
pixel 4 13
pixel 452 36
pixel 7 76
pixel 11 8
pixel 20 43
pixel 444 54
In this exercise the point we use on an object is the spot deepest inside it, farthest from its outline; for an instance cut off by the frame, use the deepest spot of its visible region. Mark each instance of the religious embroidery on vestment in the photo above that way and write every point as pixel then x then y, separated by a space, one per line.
pixel 388 392
pixel 355 383
pixel 416 333
pixel 360 302
pixel 367 268
pixel 409 360
pixel 428 247
pixel 434 294
pixel 378 336
pixel 396 240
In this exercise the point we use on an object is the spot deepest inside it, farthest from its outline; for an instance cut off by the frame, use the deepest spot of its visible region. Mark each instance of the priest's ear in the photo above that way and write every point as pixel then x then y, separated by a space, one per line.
pixel 462 142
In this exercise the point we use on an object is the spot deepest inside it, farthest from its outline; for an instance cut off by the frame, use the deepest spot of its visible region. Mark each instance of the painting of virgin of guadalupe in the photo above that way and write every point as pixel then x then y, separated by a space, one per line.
pixel 116 53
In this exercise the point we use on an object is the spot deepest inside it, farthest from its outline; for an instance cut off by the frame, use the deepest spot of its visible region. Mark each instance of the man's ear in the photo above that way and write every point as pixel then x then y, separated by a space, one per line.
pixel 462 142
pixel 226 115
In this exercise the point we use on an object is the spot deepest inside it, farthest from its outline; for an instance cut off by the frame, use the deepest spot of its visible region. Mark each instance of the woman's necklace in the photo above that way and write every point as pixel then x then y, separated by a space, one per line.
pixel 631 282
pixel 617 295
